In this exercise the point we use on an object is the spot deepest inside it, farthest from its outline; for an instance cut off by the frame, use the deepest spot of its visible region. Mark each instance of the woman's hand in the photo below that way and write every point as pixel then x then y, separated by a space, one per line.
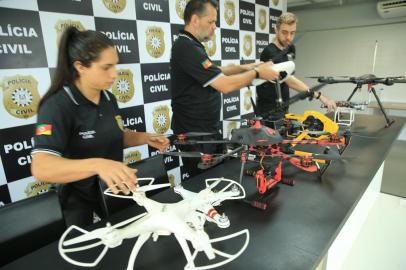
pixel 117 175
pixel 158 141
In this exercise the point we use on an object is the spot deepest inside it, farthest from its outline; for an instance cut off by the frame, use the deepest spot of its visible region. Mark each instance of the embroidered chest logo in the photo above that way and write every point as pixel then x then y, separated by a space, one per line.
pixel 89 134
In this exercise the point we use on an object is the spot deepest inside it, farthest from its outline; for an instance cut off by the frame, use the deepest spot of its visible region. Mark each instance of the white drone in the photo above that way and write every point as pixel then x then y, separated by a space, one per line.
pixel 185 219
pixel 285 69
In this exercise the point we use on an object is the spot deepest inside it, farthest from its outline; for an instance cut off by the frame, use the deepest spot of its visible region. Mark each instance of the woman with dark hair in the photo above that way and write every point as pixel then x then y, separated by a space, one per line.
pixel 79 133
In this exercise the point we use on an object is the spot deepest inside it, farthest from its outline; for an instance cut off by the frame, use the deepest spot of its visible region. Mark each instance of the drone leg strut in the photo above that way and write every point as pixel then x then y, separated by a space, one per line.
pixel 137 246
pixel 353 92
pixel 388 121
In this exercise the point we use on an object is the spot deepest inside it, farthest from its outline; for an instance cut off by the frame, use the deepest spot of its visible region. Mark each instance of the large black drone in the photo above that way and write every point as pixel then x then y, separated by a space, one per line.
pixel 368 79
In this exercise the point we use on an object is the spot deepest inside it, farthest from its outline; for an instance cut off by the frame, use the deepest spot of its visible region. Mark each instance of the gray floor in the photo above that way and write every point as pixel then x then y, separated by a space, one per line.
pixel 381 242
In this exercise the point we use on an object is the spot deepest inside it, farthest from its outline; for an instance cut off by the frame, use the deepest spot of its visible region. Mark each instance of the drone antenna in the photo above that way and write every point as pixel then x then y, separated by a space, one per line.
pixel 374 60
pixel 373 67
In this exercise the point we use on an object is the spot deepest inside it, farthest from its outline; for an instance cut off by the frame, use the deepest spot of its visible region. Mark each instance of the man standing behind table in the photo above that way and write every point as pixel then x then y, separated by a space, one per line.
pixel 197 83
pixel 285 31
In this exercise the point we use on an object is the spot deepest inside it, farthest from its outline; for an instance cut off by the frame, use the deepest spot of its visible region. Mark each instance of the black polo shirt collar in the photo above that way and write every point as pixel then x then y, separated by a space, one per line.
pixel 186 34
pixel 79 99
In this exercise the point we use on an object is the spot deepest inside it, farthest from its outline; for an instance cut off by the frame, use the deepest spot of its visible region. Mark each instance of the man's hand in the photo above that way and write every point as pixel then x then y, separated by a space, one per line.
pixel 247 67
pixel 158 141
pixel 330 104
pixel 117 175
pixel 266 72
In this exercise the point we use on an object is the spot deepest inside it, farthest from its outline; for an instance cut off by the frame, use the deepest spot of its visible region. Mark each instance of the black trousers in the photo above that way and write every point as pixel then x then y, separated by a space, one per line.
pixel 76 209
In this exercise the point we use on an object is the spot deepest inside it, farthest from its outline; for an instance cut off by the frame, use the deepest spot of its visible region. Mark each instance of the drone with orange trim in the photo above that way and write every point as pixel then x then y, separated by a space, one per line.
pixel 264 145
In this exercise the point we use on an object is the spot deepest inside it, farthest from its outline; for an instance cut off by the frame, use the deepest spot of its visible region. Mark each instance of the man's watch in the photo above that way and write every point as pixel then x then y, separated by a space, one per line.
pixel 256 72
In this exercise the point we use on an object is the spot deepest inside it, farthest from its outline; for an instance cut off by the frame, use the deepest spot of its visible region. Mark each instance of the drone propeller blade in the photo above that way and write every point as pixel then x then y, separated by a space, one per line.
pixel 315 132
pixel 183 154
pixel 327 156
pixel 187 134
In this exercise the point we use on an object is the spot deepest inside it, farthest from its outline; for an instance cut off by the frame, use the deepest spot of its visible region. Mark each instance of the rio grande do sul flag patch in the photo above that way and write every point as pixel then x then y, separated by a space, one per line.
pixel 43 129
pixel 206 64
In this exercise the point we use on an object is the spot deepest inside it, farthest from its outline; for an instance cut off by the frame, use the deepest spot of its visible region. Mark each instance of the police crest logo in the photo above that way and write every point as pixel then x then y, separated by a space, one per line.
pixel 35 188
pixel 229 12
pixel 61 25
pixel 262 19
pixel 119 121
pixel 275 2
pixel 123 87
pixel 247 45
pixel 115 6
pixel 161 119
pixel 180 7
pixel 155 42
pixel 247 99
pixel 230 126
pixel 132 157
pixel 171 179
pixel 211 46
pixel 20 96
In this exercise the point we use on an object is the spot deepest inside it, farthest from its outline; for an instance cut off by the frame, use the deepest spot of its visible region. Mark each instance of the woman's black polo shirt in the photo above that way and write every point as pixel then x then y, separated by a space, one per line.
pixel 71 126
pixel 195 104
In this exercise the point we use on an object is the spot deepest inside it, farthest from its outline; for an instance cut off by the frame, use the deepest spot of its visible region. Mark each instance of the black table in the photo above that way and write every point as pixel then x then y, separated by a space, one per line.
pixel 294 233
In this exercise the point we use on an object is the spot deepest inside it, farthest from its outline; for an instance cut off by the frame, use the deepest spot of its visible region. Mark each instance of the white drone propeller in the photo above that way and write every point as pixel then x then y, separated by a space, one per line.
pixel 285 69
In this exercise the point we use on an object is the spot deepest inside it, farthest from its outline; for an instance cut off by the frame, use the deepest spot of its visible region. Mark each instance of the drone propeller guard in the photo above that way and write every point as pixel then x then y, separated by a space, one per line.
pixel 161 219
pixel 229 257
pixel 88 236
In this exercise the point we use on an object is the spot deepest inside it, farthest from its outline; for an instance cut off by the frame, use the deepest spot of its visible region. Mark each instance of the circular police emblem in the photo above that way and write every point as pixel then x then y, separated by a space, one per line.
pixel 171 179
pixel 211 46
pixel 230 126
pixel 61 25
pixel 161 119
pixel 119 121
pixel 132 157
pixel 115 6
pixel 275 2
pixel 247 99
pixel 180 7
pixel 247 46
pixel 35 188
pixel 20 96
pixel 229 12
pixel 262 19
pixel 155 42
pixel 123 87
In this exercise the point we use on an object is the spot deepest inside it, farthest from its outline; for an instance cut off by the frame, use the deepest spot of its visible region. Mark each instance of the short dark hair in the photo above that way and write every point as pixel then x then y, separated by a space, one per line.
pixel 197 7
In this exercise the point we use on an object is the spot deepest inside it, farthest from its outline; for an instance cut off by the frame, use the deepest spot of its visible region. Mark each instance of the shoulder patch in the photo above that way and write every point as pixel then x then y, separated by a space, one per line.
pixel 43 129
pixel 206 64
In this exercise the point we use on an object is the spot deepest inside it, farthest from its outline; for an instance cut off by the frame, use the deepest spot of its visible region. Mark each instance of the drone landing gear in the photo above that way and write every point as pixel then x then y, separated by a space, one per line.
pixel 389 122
pixel 267 188
pixel 263 201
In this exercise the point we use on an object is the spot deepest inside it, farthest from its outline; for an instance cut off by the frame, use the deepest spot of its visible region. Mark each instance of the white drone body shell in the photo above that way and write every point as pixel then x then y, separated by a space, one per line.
pixel 286 68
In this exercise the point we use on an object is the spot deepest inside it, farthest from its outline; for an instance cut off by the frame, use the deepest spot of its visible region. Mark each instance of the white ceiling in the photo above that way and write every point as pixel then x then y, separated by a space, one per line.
pixel 313 4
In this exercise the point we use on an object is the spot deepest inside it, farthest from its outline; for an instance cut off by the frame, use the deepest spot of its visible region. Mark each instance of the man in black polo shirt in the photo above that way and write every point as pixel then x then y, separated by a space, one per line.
pixel 197 83
pixel 285 31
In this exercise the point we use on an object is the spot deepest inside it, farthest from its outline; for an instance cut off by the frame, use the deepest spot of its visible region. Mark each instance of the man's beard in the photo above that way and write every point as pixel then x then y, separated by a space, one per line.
pixel 282 43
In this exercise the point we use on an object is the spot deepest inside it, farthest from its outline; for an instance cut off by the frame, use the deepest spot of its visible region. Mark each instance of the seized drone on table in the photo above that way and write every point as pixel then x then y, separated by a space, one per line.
pixel 185 219
pixel 263 145
pixel 368 79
